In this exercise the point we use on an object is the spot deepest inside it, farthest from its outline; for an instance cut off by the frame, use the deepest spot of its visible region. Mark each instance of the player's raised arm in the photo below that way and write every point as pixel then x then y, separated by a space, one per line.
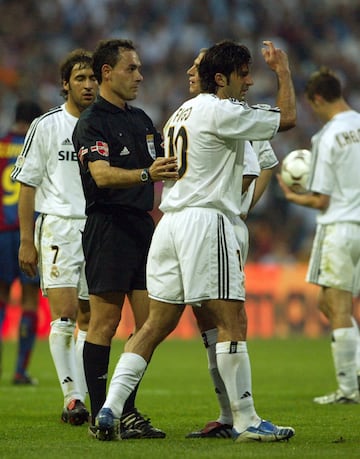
pixel 278 61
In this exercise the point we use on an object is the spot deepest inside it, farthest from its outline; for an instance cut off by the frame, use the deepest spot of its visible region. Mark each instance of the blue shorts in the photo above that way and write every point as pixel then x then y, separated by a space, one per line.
pixel 9 264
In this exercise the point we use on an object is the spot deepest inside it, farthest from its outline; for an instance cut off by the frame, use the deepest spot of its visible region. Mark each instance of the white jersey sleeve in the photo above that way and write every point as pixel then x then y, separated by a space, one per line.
pixel 48 163
pixel 234 119
pixel 266 154
pixel 251 161
pixel 267 160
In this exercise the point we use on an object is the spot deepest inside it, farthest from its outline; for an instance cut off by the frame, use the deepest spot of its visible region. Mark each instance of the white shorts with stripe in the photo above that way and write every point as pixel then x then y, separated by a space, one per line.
pixel 195 256
pixel 61 258
pixel 335 257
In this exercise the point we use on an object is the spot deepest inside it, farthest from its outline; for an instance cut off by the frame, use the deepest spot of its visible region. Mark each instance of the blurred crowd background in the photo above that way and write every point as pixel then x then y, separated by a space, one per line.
pixel 36 34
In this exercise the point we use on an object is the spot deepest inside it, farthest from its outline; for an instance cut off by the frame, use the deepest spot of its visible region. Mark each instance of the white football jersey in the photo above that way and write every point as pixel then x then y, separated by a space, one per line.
pixel 335 167
pixel 48 162
pixel 208 136
pixel 267 160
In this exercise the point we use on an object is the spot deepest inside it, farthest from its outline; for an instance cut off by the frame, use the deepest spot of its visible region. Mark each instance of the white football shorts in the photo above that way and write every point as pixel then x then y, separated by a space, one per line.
pixel 335 257
pixel 195 256
pixel 61 258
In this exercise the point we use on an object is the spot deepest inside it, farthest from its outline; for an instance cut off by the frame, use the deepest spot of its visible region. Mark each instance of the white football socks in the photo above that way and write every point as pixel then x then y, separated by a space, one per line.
pixel 344 355
pixel 128 372
pixel 62 348
pixel 79 348
pixel 210 339
pixel 357 334
pixel 234 368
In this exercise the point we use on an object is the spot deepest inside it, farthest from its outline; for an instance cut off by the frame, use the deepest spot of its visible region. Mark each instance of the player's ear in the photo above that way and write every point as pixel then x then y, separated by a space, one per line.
pixel 317 100
pixel 66 86
pixel 220 79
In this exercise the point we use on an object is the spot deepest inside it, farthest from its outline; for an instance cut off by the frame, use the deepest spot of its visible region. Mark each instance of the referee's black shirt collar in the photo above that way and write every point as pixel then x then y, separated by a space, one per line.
pixel 109 107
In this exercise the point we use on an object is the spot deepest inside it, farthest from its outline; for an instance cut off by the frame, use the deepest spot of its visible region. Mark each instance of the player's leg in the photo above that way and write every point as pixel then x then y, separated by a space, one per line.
pixel 356 293
pixel 357 334
pixel 63 305
pixel 27 330
pixel 222 427
pixel 83 318
pixel 234 367
pixel 132 423
pixel 132 364
pixel 57 240
pixel 4 298
pixel 218 257
pixel 8 272
pixel 230 319
pixel 332 267
pixel 337 306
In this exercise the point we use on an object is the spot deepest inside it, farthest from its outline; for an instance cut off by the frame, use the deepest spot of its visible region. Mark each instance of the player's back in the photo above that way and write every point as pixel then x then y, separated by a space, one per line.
pixel 337 163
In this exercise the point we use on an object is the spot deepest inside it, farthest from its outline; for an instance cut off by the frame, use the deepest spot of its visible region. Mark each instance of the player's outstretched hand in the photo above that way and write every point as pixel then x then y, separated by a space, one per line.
pixel 275 58
pixel 164 169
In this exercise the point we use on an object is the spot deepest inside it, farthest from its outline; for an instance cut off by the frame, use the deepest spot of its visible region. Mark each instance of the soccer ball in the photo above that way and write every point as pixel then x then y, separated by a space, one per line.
pixel 295 169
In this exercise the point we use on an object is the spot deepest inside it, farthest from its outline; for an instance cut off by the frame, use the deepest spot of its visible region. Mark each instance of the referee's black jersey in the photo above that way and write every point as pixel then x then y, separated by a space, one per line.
pixel 127 139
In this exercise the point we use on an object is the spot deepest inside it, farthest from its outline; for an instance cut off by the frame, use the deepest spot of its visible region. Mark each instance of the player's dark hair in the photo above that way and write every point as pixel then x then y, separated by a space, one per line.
pixel 109 52
pixel 224 57
pixel 325 83
pixel 77 56
pixel 26 111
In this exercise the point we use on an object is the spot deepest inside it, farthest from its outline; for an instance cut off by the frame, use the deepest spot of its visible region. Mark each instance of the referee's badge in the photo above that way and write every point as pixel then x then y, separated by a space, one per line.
pixel 151 145
pixel 100 147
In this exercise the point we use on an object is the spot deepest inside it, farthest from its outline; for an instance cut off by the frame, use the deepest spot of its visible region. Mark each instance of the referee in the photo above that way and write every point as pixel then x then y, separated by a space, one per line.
pixel 120 156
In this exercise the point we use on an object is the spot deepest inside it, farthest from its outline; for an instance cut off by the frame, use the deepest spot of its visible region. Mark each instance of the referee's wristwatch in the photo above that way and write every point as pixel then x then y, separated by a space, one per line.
pixel 145 176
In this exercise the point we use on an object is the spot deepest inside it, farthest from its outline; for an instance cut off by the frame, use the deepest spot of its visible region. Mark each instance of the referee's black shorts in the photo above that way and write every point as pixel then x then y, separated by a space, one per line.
pixel 116 249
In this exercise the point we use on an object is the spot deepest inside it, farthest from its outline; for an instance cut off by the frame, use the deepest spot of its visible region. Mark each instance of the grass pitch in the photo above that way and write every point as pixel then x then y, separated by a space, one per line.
pixel 177 394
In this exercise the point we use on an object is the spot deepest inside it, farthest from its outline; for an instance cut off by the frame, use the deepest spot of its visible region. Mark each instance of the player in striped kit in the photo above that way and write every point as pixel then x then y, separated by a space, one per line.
pixel 195 256
pixel 334 189
pixel 48 172
pixel 10 147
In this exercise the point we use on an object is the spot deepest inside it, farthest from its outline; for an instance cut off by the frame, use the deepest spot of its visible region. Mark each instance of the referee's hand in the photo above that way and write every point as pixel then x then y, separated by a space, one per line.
pixel 164 169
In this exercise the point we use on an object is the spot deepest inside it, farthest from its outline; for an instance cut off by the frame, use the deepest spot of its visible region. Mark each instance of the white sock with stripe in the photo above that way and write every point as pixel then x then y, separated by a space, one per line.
pixel 234 368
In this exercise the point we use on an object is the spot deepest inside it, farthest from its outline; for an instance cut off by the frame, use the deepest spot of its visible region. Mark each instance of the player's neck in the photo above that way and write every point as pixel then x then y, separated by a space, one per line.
pixel 339 106
pixel 72 108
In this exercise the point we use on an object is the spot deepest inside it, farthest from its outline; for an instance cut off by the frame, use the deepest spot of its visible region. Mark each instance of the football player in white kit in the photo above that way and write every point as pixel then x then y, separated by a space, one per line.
pixel 48 172
pixel 195 256
pixel 222 427
pixel 334 189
